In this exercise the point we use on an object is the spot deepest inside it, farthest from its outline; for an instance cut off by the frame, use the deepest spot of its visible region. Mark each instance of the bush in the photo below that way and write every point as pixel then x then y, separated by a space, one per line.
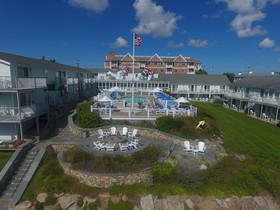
pixel 164 172
pixel 278 124
pixel 82 160
pixel 86 118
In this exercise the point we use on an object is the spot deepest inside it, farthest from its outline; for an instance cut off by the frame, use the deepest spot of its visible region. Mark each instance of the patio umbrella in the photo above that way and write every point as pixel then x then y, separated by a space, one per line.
pixel 105 99
pixel 181 100
pixel 156 90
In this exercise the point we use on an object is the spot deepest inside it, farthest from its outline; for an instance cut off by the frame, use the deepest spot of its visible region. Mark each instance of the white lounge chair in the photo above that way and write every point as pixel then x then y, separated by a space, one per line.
pixel 110 147
pixel 187 147
pixel 102 134
pixel 113 131
pixel 133 133
pixel 123 147
pixel 200 149
pixel 124 131
pixel 96 145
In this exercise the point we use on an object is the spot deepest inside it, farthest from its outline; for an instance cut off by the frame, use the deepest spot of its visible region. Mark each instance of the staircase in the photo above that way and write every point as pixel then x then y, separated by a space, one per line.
pixel 15 187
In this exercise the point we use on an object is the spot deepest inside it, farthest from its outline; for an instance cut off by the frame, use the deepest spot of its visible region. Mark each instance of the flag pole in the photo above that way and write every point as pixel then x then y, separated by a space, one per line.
pixel 133 51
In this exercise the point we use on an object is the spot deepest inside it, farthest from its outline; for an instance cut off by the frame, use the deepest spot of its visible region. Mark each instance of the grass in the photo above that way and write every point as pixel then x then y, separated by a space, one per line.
pixel 257 141
pixel 244 134
pixel 4 157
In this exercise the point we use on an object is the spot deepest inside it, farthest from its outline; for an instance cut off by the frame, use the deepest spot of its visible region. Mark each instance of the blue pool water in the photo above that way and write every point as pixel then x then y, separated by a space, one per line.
pixel 137 99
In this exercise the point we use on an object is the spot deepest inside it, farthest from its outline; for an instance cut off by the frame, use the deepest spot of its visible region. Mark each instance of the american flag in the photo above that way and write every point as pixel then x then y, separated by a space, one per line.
pixel 137 40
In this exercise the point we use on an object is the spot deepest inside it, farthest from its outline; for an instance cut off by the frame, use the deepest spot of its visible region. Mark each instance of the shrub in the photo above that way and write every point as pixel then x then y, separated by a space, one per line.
pixel 164 172
pixel 278 124
pixel 86 118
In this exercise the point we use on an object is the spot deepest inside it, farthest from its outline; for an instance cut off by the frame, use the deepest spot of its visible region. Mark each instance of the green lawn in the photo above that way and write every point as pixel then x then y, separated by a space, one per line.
pixel 4 157
pixel 258 141
pixel 245 134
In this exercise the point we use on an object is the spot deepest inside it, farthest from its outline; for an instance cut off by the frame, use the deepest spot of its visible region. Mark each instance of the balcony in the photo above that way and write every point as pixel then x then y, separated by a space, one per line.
pixel 15 114
pixel 239 95
pixel 22 83
pixel 265 100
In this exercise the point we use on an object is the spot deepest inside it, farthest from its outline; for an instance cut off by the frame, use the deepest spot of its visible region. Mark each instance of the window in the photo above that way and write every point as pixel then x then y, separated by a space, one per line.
pixel 155 63
pixel 175 64
pixel 175 70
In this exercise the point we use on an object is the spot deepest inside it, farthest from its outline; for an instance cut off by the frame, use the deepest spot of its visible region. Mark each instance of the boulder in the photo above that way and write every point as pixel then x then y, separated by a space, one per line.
pixel 41 197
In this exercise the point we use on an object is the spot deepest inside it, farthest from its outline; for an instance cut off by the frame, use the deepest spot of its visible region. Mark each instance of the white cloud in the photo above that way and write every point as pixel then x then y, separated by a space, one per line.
pixel 154 20
pixel 248 12
pixel 278 60
pixel 172 44
pixel 119 43
pixel 266 43
pixel 277 49
pixel 198 43
pixel 94 5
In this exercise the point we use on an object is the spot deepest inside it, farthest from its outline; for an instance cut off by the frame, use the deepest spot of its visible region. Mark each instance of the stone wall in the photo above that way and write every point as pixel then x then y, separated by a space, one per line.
pixel 102 180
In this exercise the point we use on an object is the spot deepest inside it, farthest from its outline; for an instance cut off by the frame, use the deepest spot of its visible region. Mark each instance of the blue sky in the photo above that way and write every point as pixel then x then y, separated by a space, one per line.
pixel 225 35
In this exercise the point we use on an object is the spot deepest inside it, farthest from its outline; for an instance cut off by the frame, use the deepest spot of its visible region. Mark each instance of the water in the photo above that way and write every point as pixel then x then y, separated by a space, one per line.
pixel 137 99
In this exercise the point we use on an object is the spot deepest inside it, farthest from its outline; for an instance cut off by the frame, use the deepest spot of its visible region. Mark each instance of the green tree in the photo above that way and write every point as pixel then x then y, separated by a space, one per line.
pixel 202 71
pixel 230 76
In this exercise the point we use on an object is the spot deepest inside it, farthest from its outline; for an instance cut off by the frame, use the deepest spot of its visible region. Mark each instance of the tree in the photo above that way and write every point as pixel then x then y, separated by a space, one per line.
pixel 230 76
pixel 202 71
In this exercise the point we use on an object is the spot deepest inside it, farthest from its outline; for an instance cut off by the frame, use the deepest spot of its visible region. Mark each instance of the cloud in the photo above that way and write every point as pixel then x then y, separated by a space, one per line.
pixel 278 60
pixel 248 12
pixel 154 20
pixel 198 43
pixel 266 43
pixel 172 44
pixel 277 49
pixel 119 43
pixel 93 5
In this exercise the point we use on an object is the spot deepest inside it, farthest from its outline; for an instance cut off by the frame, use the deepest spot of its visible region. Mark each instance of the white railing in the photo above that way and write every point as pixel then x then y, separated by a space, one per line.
pixel 14 113
pixel 22 82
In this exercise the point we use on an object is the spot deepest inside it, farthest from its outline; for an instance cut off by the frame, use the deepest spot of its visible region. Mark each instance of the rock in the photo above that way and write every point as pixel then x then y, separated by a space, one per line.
pixel 233 202
pixel 222 203
pixel 248 203
pixel 67 200
pixel 115 199
pixel 209 203
pixel 23 205
pixel 124 198
pixel 260 201
pixel 173 203
pixel 104 200
pixel 271 205
pixel 42 197
pixel 190 204
pixel 160 204
pixel 195 199
pixel 147 202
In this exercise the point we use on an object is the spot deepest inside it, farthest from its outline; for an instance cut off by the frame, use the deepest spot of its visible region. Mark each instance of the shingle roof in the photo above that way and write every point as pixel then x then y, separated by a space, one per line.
pixel 261 82
pixel 195 79
pixel 32 62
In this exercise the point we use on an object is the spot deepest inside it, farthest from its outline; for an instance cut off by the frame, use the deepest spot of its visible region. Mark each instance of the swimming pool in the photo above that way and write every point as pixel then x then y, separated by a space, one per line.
pixel 137 99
